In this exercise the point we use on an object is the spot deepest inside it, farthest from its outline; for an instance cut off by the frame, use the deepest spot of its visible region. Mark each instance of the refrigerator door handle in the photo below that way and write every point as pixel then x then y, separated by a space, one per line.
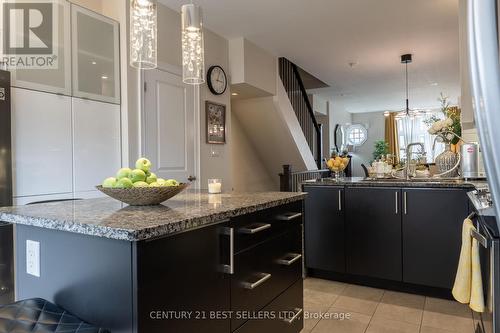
pixel 485 79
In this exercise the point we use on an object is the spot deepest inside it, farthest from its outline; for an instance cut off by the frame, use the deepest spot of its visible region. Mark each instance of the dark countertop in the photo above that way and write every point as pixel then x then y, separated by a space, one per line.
pixel 106 217
pixel 362 182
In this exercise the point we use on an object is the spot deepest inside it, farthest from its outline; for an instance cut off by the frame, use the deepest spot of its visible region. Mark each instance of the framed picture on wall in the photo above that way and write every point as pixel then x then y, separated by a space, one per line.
pixel 216 122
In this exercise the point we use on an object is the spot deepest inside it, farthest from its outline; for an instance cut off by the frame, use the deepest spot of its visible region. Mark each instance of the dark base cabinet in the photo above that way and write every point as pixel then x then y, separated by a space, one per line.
pixel 432 235
pixel 286 312
pixel 374 232
pixel 180 283
pixel 398 238
pixel 324 228
pixel 184 283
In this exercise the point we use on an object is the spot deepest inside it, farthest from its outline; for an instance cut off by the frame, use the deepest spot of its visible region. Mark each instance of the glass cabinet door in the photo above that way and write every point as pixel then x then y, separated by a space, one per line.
pixel 95 46
pixel 56 80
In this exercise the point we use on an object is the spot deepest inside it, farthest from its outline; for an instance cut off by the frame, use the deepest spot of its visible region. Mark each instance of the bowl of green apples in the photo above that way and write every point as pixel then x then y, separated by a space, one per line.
pixel 140 186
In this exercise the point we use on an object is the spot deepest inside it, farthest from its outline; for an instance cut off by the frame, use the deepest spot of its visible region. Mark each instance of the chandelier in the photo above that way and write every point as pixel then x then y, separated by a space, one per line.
pixel 193 58
pixel 143 34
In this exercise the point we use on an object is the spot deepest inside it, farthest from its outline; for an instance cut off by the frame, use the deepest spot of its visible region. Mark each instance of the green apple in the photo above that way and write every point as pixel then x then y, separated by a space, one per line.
pixel 148 173
pixel 141 184
pixel 109 182
pixel 160 181
pixel 123 173
pixel 154 184
pixel 124 183
pixel 143 163
pixel 151 178
pixel 137 175
pixel 171 182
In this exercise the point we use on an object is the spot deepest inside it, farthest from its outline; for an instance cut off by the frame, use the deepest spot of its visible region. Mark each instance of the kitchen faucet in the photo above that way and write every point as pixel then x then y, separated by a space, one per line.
pixel 408 156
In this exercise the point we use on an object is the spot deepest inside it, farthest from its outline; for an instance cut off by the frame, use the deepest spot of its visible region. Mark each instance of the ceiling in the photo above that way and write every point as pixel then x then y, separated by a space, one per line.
pixel 325 36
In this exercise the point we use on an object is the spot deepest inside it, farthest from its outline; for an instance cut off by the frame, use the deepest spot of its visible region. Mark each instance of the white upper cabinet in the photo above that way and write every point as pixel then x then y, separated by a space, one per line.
pixel 57 80
pixel 41 143
pixel 97 148
pixel 95 48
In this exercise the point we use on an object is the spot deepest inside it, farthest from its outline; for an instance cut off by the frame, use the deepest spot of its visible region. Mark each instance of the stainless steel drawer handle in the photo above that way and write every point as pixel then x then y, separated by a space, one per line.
pixel 254 228
pixel 340 200
pixel 289 259
pixel 397 203
pixel 263 278
pixel 229 269
pixel 295 316
pixel 288 216
pixel 405 203
pixel 480 238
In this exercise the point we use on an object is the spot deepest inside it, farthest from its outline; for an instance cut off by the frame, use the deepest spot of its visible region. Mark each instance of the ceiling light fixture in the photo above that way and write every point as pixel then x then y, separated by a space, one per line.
pixel 408 59
pixel 234 94
pixel 193 53
pixel 143 34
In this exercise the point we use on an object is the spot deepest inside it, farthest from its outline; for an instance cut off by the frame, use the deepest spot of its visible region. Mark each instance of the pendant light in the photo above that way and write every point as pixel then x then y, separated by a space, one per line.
pixel 408 116
pixel 407 112
pixel 193 53
pixel 143 34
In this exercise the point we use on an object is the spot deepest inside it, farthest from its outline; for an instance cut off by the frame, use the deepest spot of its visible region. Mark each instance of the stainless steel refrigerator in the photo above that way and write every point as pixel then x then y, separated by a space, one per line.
pixel 483 43
pixel 6 234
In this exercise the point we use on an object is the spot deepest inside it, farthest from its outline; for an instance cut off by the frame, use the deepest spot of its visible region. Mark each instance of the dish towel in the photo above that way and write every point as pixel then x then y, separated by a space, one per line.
pixel 468 286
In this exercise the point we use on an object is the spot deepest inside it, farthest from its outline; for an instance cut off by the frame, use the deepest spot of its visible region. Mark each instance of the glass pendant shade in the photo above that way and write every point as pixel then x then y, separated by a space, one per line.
pixel 143 34
pixel 193 53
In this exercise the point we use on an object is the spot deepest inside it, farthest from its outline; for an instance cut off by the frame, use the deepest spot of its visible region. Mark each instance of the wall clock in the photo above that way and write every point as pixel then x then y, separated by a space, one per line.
pixel 216 80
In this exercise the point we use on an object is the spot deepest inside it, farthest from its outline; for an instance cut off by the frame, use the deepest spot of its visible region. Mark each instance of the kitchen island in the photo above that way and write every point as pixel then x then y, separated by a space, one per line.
pixel 391 233
pixel 197 263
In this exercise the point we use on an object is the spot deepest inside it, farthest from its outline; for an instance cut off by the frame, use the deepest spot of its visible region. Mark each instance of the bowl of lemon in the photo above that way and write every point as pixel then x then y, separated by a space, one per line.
pixel 140 186
pixel 337 165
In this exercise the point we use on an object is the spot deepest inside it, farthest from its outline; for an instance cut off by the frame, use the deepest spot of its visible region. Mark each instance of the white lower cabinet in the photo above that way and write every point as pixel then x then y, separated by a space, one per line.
pixel 41 143
pixel 97 148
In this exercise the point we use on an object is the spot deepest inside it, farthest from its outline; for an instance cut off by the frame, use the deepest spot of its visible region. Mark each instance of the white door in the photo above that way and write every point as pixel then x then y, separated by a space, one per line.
pixel 169 133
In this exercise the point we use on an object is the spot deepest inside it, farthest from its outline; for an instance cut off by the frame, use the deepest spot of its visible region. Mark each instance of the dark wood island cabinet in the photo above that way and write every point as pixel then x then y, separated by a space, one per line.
pixel 188 266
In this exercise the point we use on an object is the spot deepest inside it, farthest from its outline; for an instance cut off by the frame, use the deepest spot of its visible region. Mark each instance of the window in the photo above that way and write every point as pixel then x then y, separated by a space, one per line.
pixel 413 129
pixel 356 135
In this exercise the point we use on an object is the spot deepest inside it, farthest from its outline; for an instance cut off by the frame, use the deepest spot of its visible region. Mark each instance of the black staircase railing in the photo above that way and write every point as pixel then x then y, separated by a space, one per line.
pixel 294 87
pixel 290 181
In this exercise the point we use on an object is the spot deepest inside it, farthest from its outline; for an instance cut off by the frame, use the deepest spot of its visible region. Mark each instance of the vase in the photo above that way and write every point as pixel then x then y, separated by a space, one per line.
pixel 446 161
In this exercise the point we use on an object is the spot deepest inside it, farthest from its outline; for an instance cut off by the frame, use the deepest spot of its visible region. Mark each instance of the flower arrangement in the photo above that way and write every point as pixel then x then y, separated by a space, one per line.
pixel 448 129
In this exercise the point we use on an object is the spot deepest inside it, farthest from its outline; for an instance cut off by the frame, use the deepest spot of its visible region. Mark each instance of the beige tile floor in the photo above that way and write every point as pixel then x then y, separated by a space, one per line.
pixel 334 307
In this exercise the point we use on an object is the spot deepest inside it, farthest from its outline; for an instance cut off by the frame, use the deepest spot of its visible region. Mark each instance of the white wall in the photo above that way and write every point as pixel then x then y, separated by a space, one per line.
pixel 249 171
pixel 338 115
pixel 375 121
pixel 465 98
pixel 252 65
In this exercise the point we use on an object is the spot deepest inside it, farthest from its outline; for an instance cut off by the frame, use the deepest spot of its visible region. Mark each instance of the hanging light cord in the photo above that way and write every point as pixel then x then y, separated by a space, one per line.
pixel 407 94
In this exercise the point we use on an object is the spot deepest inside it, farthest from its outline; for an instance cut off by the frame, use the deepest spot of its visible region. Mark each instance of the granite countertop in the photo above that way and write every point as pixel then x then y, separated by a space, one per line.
pixel 106 217
pixel 362 182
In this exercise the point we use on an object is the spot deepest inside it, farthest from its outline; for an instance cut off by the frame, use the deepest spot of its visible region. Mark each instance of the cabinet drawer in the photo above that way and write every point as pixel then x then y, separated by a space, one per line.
pixel 253 229
pixel 265 271
pixel 285 312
